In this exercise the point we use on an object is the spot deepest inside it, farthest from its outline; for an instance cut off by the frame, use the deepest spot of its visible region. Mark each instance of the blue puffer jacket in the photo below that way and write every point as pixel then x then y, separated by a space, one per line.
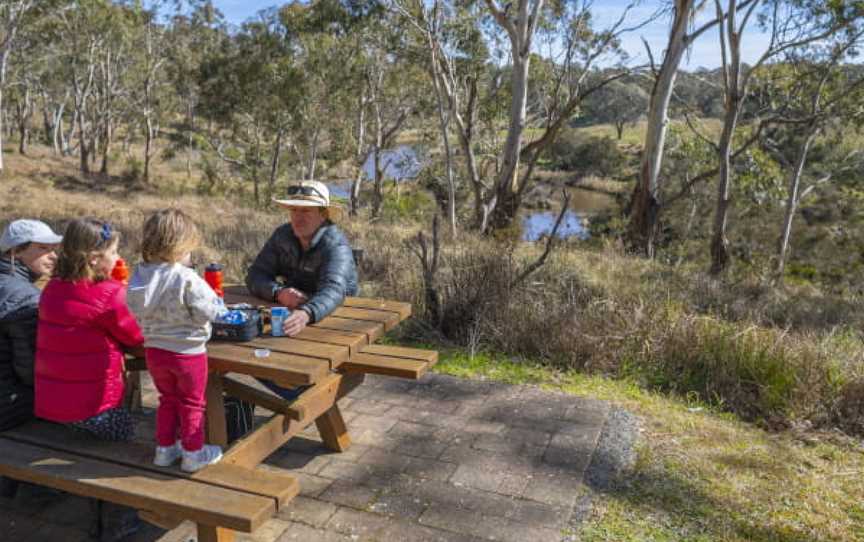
pixel 19 302
pixel 325 272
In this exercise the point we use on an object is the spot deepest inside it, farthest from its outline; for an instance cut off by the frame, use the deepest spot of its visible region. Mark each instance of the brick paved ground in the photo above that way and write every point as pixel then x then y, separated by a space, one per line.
pixel 441 459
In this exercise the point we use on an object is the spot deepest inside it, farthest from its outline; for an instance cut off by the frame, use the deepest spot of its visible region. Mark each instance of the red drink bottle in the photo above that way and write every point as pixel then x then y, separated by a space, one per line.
pixel 120 271
pixel 213 276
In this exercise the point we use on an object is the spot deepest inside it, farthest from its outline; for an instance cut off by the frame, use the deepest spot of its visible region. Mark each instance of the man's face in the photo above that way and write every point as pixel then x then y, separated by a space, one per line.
pixel 305 221
pixel 39 257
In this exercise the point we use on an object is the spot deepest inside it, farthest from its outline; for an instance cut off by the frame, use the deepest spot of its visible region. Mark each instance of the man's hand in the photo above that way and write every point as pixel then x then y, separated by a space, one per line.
pixel 291 298
pixel 295 323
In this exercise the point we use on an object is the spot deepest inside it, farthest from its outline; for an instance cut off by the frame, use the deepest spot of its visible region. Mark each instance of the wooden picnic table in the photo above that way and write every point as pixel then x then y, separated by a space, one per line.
pixel 331 357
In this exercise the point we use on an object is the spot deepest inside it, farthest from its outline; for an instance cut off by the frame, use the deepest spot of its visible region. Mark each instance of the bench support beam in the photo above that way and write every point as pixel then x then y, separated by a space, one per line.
pixel 214 534
pixel 333 430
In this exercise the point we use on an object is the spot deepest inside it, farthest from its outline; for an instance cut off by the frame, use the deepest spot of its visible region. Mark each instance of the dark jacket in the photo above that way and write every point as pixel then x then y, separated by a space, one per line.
pixel 325 272
pixel 19 301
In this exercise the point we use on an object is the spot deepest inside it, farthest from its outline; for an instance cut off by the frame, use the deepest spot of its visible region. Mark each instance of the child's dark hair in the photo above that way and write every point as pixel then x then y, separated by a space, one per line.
pixel 84 239
pixel 168 235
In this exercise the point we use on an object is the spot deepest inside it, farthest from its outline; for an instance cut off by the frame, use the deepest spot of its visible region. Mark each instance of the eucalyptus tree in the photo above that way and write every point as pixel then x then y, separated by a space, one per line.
pixel 620 103
pixel 13 15
pixel 647 201
pixel 192 38
pixel 791 24
pixel 248 85
pixel 576 46
pixel 817 90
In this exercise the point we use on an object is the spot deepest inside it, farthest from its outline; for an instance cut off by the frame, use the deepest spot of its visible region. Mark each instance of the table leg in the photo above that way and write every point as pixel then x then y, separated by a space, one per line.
pixel 217 430
pixel 214 534
pixel 333 430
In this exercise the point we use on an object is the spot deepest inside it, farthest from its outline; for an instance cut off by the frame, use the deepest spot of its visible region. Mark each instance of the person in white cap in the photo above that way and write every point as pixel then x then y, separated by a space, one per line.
pixel 27 253
pixel 307 265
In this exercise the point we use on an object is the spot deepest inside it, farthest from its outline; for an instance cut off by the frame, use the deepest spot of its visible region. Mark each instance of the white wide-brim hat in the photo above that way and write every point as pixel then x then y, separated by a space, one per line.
pixel 308 194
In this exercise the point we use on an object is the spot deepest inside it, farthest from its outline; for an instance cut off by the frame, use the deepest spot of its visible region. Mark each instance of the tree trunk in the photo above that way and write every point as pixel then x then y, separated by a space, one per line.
pixel 57 138
pixel 83 144
pixel 619 129
pixel 507 186
pixel 359 158
pixel 190 120
pixel 792 200
pixel 378 197
pixel 148 142
pixel 106 147
pixel 274 164
pixel 734 96
pixel 3 60
pixel 645 204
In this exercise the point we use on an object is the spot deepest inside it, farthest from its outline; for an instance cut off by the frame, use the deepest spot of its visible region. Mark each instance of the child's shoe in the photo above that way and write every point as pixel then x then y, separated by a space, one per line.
pixel 197 460
pixel 167 455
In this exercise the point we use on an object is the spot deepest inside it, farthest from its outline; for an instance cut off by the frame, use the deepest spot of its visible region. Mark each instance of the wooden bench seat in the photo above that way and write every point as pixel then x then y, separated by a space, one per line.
pixel 396 361
pixel 221 498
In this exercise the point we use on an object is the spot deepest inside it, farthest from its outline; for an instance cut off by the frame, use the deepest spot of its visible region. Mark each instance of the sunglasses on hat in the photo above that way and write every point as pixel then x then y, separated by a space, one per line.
pixel 305 191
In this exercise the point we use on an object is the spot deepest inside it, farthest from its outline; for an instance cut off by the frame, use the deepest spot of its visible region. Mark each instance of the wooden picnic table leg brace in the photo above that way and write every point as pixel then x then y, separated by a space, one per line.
pixel 214 534
pixel 217 430
pixel 318 402
pixel 333 430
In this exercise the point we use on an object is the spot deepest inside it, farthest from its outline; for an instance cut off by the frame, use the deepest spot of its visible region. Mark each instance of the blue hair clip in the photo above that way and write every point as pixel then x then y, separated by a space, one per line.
pixel 106 232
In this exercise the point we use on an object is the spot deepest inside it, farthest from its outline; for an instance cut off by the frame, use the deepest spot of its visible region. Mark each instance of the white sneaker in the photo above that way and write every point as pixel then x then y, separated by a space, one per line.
pixel 167 455
pixel 197 460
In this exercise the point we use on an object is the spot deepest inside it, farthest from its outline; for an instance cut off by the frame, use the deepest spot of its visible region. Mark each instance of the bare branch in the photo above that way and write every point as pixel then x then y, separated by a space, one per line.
pixel 550 241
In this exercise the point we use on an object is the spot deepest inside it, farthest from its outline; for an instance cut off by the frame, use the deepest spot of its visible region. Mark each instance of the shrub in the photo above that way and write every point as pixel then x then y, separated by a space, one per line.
pixel 572 151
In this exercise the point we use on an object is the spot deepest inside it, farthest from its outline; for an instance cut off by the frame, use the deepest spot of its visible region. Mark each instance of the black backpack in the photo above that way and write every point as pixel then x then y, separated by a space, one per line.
pixel 239 417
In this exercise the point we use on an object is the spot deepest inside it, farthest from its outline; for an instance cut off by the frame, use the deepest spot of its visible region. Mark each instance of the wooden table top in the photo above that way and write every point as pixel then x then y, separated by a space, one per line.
pixel 315 351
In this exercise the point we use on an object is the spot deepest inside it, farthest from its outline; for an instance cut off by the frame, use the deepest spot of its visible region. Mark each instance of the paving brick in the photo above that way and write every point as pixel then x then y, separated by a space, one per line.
pixel 477 478
pixel 309 511
pixel 375 422
pixel 482 426
pixel 310 484
pixel 371 407
pixel 397 504
pixel 426 468
pixel 350 494
pixel 298 532
pixel 310 464
pixel 413 532
pixel 575 460
pixel 561 489
pixel 422 447
pixel 458 520
pixel 536 513
pixel 270 531
pixel 363 525
pixel 403 429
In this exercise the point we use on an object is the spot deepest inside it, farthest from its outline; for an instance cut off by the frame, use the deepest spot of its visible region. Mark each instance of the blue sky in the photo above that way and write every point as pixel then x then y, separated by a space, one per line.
pixel 704 53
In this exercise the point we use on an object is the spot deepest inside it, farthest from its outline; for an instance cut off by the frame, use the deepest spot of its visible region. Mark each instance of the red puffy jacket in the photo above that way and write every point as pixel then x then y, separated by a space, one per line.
pixel 83 328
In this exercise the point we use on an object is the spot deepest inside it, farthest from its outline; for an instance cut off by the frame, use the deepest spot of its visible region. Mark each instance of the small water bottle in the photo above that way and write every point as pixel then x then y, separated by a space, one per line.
pixel 277 319
pixel 213 277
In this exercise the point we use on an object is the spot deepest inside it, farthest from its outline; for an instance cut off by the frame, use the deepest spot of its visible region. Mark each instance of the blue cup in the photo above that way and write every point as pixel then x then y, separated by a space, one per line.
pixel 277 319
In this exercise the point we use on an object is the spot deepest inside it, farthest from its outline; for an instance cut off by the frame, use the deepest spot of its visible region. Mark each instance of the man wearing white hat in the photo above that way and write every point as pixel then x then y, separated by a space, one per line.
pixel 27 252
pixel 312 256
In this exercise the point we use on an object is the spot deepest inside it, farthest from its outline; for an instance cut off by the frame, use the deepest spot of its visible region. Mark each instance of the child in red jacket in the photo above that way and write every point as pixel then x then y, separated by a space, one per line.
pixel 84 328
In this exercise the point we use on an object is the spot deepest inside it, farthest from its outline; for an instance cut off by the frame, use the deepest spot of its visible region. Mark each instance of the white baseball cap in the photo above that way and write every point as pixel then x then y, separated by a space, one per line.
pixel 23 231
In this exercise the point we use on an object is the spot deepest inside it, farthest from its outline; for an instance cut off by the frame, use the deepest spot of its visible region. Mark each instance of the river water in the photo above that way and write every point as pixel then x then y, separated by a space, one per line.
pixel 405 163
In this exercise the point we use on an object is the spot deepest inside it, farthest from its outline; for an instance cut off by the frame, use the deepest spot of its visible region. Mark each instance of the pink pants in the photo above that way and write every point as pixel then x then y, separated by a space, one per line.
pixel 181 380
